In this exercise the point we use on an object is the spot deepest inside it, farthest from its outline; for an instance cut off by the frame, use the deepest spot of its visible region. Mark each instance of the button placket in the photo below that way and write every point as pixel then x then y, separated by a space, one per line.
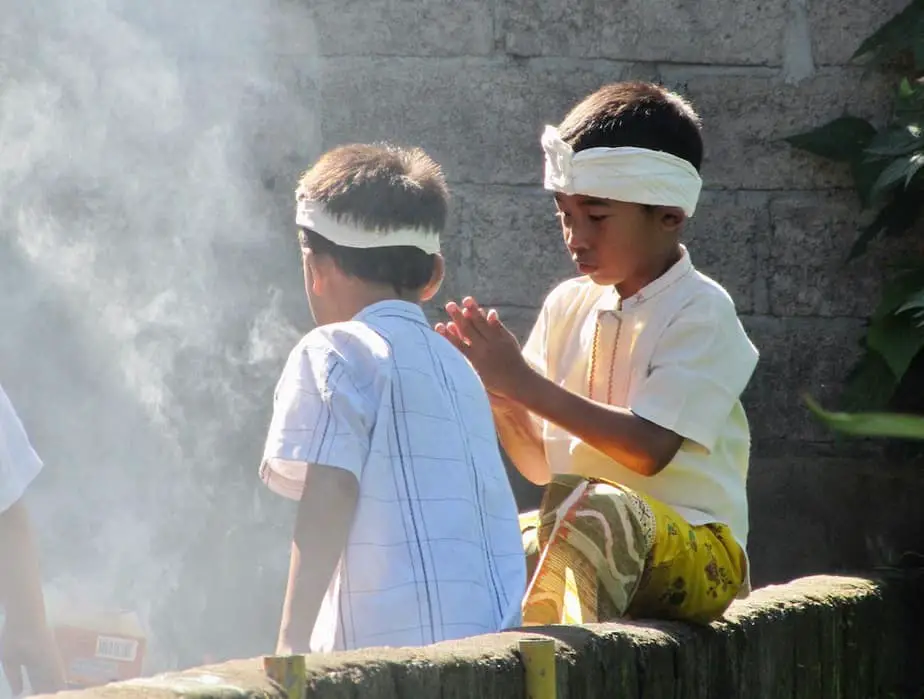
pixel 601 379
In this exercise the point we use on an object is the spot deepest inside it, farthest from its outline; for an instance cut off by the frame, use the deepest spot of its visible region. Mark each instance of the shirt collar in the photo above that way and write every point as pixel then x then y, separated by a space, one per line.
pixel 393 308
pixel 680 269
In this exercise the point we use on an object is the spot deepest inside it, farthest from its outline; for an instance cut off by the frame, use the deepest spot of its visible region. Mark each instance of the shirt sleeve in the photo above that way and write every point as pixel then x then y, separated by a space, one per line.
pixel 535 349
pixel 19 464
pixel 319 417
pixel 698 371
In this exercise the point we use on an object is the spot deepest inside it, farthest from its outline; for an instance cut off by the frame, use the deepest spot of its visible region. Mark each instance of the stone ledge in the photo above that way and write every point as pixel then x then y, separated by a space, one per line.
pixel 816 637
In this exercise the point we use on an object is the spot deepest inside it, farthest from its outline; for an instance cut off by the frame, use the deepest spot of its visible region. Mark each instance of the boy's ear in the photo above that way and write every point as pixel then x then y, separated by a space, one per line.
pixel 436 279
pixel 316 271
pixel 672 218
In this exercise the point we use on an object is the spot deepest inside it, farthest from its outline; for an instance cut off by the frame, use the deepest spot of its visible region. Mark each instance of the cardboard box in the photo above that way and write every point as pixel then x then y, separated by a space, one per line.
pixel 100 648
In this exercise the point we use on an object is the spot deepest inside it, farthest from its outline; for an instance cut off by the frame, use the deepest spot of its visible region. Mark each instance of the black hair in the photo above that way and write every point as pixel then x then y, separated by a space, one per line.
pixel 636 114
pixel 380 187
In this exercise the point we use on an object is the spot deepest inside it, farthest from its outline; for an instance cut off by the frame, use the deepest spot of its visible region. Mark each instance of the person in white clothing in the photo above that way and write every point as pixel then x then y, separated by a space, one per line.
pixel 27 648
pixel 626 398
pixel 407 530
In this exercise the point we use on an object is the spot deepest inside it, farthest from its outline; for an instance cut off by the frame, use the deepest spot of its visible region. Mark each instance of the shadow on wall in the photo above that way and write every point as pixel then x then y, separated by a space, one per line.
pixel 150 291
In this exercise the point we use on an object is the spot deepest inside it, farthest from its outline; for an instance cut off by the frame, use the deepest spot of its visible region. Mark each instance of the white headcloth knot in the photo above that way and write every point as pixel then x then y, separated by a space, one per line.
pixel 628 174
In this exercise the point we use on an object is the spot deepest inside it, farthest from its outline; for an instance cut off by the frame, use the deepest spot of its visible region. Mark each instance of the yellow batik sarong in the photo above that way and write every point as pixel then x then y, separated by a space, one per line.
pixel 598 552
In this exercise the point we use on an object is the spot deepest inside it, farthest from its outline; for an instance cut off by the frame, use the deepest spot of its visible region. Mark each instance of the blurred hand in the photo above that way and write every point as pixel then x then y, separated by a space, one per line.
pixel 31 652
pixel 27 646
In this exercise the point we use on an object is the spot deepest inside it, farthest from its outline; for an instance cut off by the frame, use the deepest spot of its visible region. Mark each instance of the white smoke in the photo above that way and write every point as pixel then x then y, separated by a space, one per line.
pixel 149 292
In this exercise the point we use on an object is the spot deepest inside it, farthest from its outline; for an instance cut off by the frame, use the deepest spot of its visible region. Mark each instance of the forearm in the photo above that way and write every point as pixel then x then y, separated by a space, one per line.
pixel 322 527
pixel 20 584
pixel 633 442
pixel 520 437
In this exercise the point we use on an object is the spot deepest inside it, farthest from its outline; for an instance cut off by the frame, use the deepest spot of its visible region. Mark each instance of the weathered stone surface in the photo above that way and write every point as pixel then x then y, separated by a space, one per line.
pixel 827 509
pixel 798 355
pixel 811 235
pixel 743 33
pixel 479 117
pixel 752 34
pixel 815 638
pixel 516 244
pixel 747 112
pixel 838 28
pixel 407 28
pixel 807 273
pixel 723 239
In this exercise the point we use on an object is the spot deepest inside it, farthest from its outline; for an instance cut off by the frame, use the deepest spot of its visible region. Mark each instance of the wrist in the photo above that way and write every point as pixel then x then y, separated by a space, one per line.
pixel 525 384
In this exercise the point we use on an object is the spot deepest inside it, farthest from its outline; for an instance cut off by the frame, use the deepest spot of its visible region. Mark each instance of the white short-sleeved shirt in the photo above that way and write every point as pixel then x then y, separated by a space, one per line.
pixel 675 354
pixel 19 464
pixel 435 550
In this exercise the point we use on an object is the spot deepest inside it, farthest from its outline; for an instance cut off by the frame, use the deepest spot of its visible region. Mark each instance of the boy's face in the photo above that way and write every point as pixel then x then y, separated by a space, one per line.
pixel 616 242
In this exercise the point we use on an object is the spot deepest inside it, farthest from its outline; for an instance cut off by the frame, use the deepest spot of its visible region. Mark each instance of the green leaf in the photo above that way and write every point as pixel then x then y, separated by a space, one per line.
pixel 914 302
pixel 892 425
pixel 897 339
pixel 905 139
pixel 909 102
pixel 917 161
pixel 870 384
pixel 893 335
pixel 895 36
pixel 899 171
pixel 842 139
pixel 865 173
pixel 898 290
pixel 895 218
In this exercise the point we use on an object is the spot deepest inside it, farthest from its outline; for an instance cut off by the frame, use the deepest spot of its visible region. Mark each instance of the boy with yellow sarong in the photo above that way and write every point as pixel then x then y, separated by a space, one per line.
pixel 625 400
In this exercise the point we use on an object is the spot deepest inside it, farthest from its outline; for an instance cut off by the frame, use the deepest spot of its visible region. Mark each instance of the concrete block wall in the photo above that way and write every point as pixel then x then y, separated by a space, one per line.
pixel 474 81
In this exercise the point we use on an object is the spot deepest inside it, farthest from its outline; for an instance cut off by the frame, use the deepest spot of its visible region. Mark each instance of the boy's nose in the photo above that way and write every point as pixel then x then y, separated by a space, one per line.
pixel 575 241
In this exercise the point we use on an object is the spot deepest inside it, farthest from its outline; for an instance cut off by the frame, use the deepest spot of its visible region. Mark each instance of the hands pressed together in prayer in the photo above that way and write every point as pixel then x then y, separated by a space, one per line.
pixel 516 389
pixel 490 347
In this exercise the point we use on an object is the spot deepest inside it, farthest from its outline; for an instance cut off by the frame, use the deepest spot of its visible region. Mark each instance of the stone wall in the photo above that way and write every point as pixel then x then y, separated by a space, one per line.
pixel 818 638
pixel 474 81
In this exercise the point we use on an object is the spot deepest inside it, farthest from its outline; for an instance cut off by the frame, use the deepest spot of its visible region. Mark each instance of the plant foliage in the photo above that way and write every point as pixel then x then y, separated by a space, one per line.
pixel 894 425
pixel 887 165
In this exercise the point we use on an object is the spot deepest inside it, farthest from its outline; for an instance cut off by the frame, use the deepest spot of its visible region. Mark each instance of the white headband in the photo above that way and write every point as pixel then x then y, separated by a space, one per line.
pixel 313 215
pixel 636 175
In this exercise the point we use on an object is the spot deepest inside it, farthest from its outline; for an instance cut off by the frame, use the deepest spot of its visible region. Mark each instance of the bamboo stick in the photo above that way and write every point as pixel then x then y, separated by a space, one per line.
pixel 289 672
pixel 539 660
